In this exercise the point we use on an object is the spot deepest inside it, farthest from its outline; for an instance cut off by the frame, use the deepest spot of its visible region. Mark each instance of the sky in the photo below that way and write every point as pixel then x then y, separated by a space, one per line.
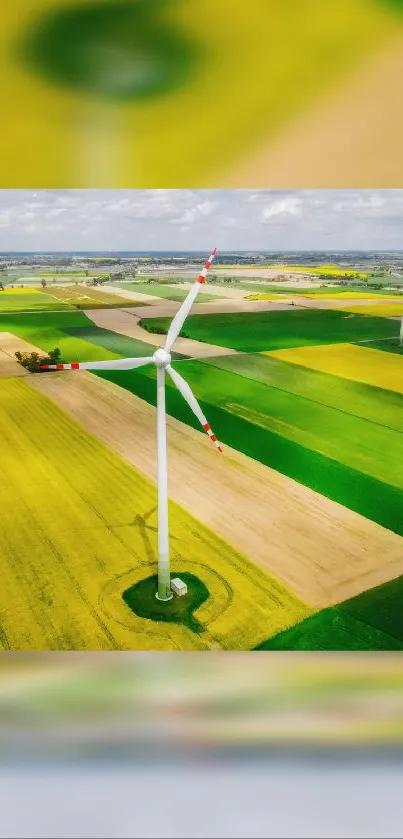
pixel 191 219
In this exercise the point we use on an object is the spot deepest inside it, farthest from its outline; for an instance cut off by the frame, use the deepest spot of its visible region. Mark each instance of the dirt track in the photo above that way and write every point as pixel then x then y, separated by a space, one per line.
pixel 207 290
pixel 223 307
pixel 134 295
pixel 9 345
pixel 344 303
pixel 322 551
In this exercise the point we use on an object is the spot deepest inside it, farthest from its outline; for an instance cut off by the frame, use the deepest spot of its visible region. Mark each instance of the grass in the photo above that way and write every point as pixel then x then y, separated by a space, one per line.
pixel 378 405
pixel 272 296
pixel 354 362
pixel 259 331
pixel 117 344
pixel 370 621
pixel 28 281
pixel 141 599
pixel 367 446
pixel 154 290
pixel 90 298
pixel 73 274
pixel 382 310
pixel 163 291
pixel 393 346
pixel 28 300
pixel 74 538
pixel 364 493
pixel 49 330
pixel 332 629
pixel 314 290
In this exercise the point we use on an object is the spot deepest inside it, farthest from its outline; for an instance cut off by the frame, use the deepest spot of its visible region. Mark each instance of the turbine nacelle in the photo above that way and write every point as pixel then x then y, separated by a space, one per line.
pixel 162 358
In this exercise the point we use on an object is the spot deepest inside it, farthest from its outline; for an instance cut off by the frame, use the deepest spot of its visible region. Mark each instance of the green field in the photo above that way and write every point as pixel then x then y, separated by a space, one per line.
pixel 259 331
pixel 31 300
pixel 85 274
pixel 392 346
pixel 329 467
pixel 267 286
pixel 370 621
pixel 117 344
pixel 379 406
pixel 163 291
pixel 47 331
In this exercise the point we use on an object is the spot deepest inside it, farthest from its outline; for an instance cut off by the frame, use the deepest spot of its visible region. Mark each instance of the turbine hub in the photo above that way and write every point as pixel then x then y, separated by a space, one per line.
pixel 162 357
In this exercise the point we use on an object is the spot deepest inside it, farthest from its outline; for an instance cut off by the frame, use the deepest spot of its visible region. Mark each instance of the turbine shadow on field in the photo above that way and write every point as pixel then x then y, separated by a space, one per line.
pixel 140 521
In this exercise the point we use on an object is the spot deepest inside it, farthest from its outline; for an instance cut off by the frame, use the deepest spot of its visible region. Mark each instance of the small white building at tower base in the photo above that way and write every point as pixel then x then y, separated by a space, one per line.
pixel 178 587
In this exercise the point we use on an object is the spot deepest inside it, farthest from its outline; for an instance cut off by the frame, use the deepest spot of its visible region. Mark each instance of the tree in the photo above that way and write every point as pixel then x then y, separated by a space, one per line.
pixel 43 282
pixel 1 286
pixel 33 361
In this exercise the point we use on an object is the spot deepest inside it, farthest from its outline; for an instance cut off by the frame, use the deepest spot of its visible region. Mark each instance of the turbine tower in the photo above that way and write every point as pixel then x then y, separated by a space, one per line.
pixel 162 361
pixel 401 332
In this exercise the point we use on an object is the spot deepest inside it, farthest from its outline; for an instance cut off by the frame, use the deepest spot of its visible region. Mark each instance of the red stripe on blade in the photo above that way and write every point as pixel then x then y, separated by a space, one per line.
pixel 201 279
pixel 206 427
pixel 213 437
pixel 59 366
pixel 75 365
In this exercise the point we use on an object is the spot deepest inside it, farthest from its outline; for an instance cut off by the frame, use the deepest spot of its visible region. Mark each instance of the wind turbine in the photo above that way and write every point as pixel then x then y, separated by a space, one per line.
pixel 162 361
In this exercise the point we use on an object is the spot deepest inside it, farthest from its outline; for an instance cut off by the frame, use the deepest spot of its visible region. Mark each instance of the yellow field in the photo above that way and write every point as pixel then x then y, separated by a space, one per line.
pixel 381 310
pixel 283 297
pixel 353 295
pixel 361 364
pixel 320 269
pixel 73 538
pixel 17 291
pixel 88 297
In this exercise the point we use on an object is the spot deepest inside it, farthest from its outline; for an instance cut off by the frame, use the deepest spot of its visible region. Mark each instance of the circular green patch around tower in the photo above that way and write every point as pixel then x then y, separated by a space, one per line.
pixel 141 599
pixel 120 50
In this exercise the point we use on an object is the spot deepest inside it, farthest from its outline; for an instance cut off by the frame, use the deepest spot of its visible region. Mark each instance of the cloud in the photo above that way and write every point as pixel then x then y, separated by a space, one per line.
pixel 191 219
pixel 359 201
pixel 35 205
pixel 283 207
pixel 198 212
pixel 57 211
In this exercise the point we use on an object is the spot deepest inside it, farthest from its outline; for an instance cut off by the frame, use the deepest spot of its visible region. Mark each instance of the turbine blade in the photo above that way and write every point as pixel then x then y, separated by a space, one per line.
pixel 118 364
pixel 190 398
pixel 187 304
